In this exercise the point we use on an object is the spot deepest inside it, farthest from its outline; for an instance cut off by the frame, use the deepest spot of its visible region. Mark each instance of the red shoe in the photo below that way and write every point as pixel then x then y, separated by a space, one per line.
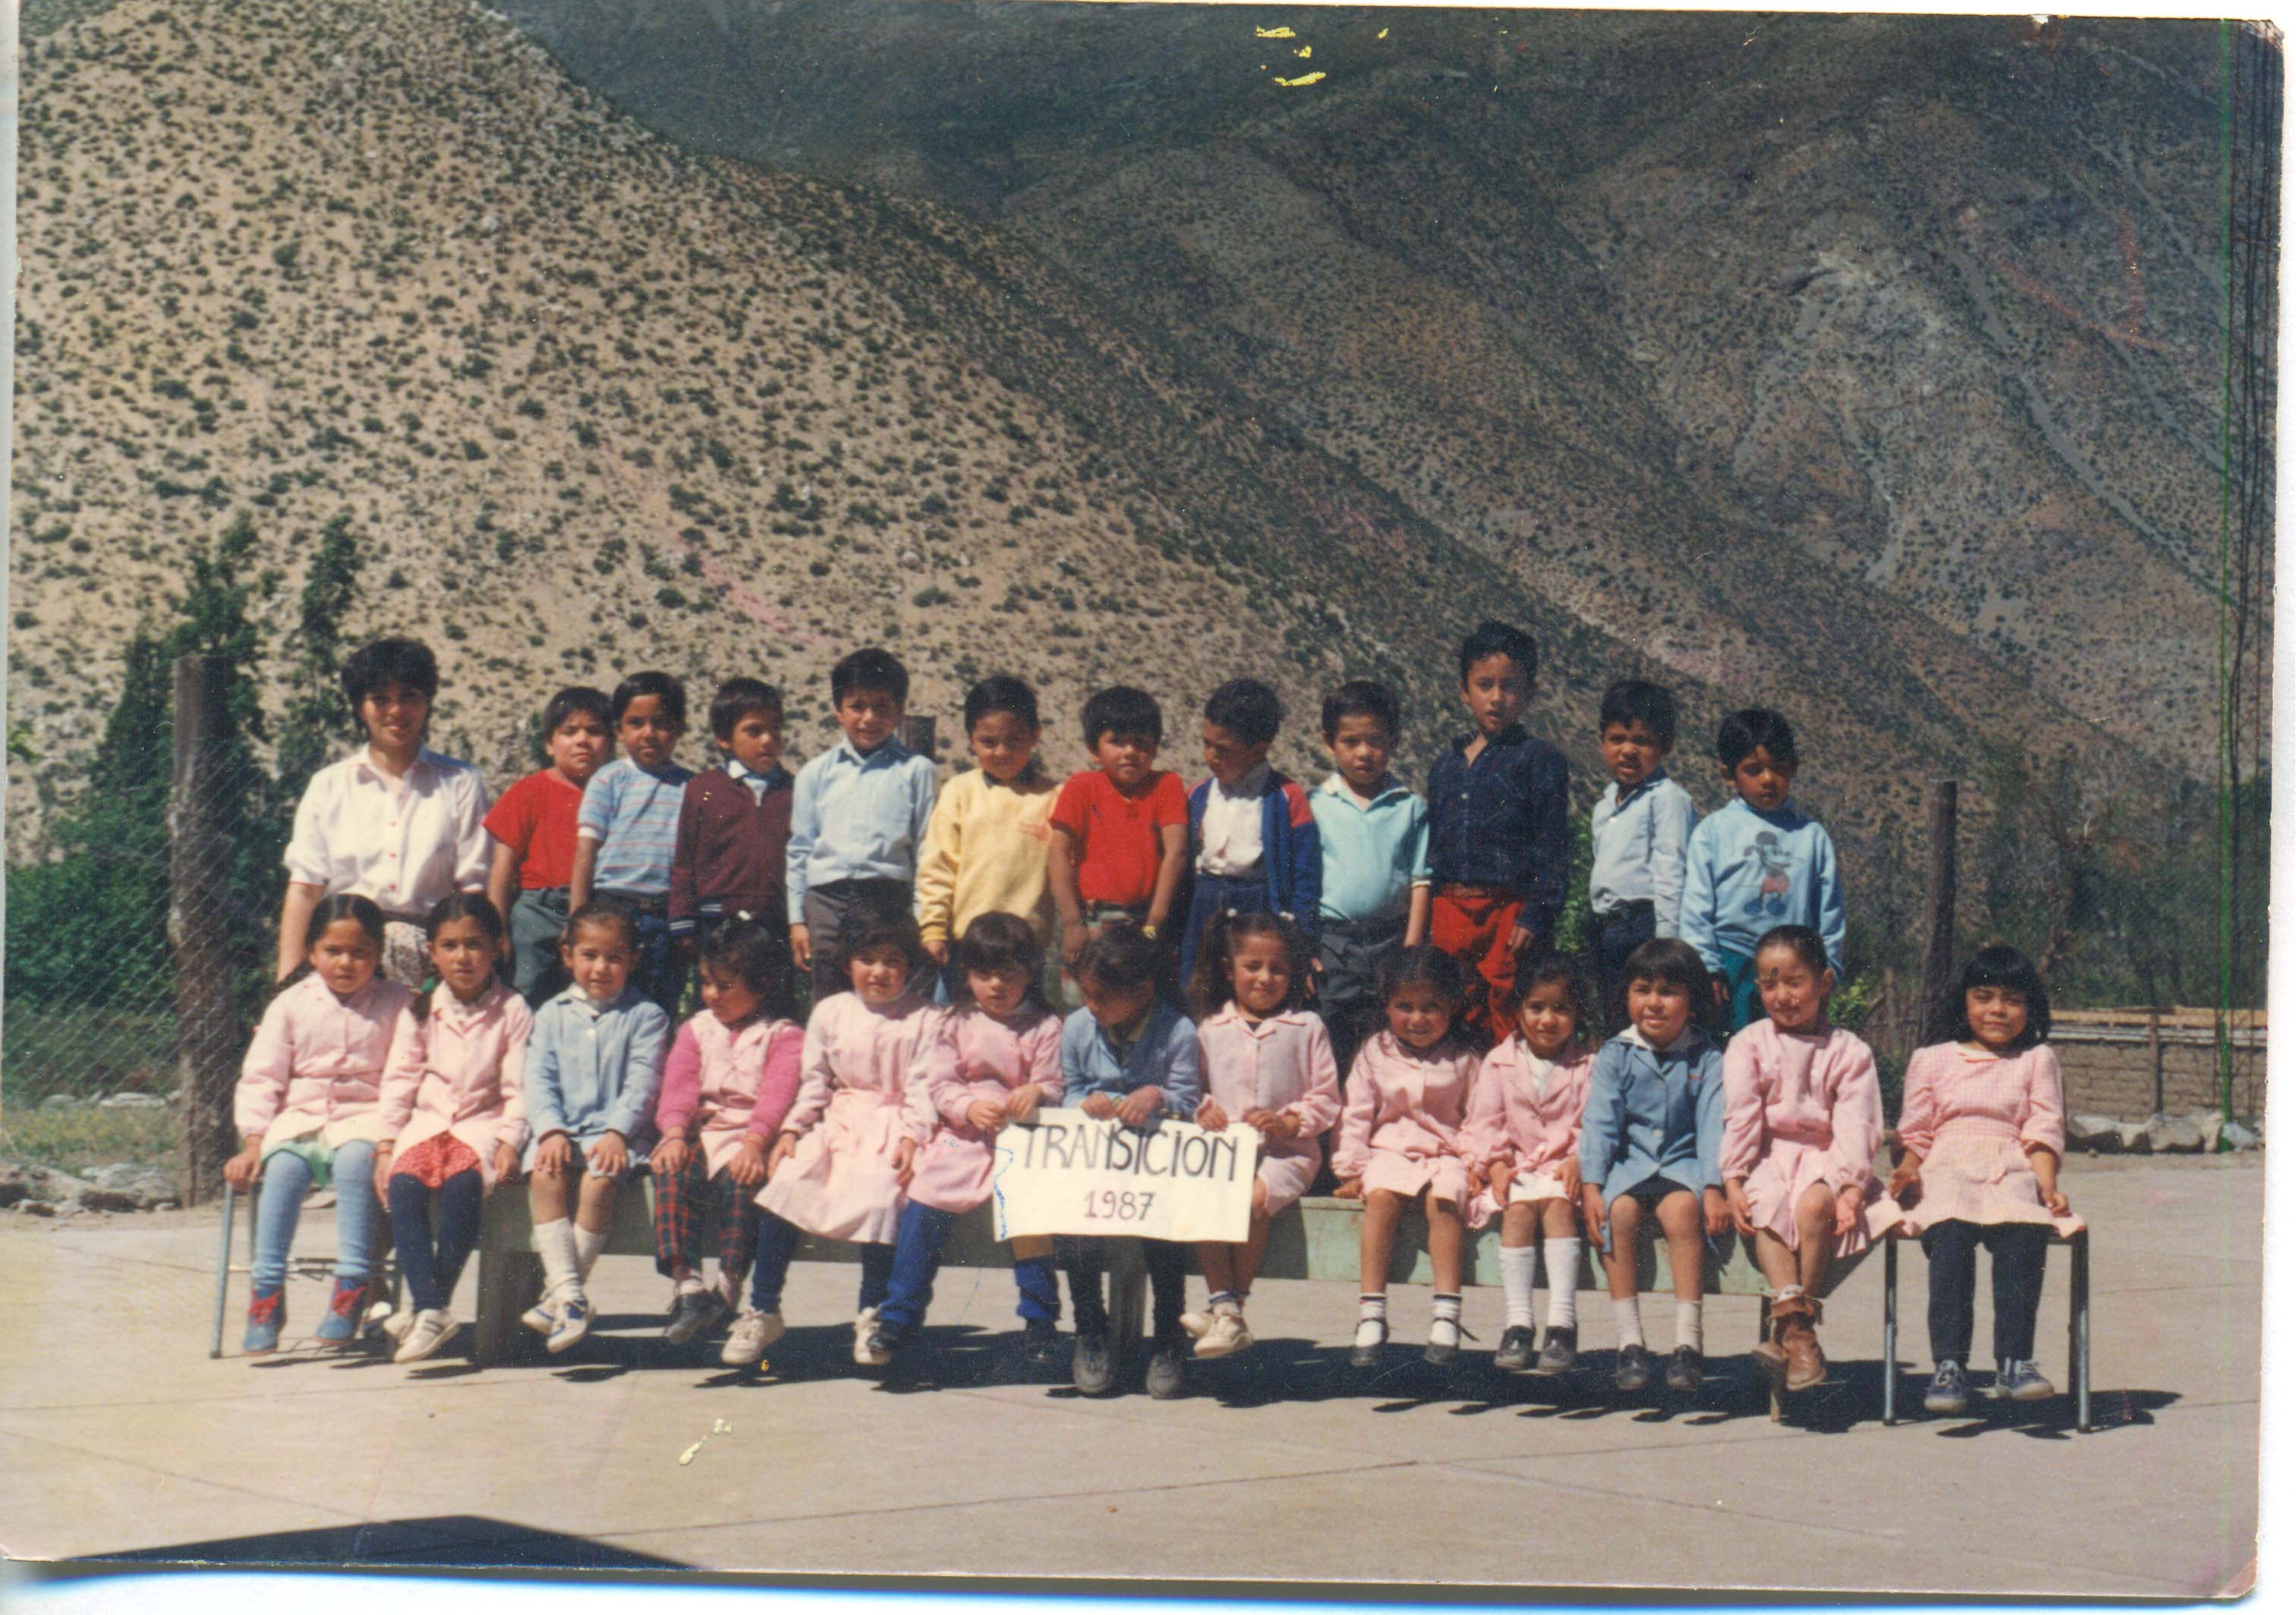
pixel 266 1316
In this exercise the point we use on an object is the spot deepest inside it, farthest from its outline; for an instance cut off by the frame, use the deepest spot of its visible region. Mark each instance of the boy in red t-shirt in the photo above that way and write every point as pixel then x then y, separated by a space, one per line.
pixel 1121 835
pixel 533 827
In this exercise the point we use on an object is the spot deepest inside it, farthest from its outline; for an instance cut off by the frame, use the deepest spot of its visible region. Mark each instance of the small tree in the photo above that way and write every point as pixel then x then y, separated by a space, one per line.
pixel 312 724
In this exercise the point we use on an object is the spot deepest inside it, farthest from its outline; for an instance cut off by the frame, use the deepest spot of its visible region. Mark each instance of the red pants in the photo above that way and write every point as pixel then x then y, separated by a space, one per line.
pixel 1479 932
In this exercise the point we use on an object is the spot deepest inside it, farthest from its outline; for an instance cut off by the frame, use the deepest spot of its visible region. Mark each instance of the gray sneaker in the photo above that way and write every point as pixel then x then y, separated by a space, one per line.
pixel 1090 1367
pixel 2018 1380
pixel 691 1314
pixel 1636 1366
pixel 1167 1371
pixel 1948 1392
pixel 1560 1355
pixel 1515 1352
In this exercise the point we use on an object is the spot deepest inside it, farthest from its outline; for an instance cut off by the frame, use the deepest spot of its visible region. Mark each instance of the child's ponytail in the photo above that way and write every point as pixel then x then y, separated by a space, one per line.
pixel 1210 989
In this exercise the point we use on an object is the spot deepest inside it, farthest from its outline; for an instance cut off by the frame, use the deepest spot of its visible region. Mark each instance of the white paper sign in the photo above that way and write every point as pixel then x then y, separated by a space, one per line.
pixel 1072 1173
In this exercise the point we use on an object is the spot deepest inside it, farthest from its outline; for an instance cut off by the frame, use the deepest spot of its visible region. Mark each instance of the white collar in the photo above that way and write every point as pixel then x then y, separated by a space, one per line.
pixel 1690 1034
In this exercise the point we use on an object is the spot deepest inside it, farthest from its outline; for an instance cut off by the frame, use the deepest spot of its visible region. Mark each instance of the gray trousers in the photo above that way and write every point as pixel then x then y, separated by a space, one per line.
pixel 538 920
pixel 826 910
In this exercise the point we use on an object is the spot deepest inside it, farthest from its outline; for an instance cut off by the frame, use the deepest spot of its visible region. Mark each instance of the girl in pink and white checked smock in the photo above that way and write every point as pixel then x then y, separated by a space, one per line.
pixel 1399 1140
pixel 454 1113
pixel 1801 1121
pixel 994 1058
pixel 308 1106
pixel 1523 1134
pixel 1983 1130
pixel 1267 1065
pixel 841 1165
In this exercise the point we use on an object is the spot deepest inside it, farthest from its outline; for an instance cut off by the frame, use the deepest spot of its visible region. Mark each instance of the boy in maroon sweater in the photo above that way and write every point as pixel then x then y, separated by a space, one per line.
pixel 733 825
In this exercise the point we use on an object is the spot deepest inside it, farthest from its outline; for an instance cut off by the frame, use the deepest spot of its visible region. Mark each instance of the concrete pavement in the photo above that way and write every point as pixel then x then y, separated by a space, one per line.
pixel 118 1436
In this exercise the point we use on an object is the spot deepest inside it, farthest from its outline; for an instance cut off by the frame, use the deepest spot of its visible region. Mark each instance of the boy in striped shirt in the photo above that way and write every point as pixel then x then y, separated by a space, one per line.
pixel 627 831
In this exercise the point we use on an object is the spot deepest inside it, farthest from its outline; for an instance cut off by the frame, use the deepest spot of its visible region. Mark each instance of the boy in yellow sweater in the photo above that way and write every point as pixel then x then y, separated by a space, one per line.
pixel 985 848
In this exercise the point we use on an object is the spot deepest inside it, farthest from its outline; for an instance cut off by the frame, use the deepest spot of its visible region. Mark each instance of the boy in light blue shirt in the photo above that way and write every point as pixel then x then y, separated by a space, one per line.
pixel 1376 887
pixel 1641 824
pixel 1758 863
pixel 626 830
pixel 1129 1056
pixel 857 814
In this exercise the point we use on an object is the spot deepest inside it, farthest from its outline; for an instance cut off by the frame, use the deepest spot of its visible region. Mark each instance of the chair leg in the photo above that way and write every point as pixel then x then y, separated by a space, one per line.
pixel 2078 1329
pixel 1761 1333
pixel 1889 1332
pixel 222 1269
pixel 1127 1308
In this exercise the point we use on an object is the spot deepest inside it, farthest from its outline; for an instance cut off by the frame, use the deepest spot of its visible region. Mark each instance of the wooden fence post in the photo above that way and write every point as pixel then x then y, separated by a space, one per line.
pixel 1937 955
pixel 198 918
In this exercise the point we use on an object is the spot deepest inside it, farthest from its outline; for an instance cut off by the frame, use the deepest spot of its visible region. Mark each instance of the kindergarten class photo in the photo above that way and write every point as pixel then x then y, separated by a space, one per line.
pixel 1307 795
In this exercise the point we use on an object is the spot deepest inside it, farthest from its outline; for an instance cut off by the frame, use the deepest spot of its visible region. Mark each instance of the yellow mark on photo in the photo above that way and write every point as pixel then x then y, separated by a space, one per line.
pixel 1290 83
pixel 1272 33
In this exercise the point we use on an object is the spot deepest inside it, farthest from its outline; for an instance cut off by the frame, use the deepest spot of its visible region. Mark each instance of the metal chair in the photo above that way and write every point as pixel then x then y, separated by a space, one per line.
pixel 386 1271
pixel 2077 1343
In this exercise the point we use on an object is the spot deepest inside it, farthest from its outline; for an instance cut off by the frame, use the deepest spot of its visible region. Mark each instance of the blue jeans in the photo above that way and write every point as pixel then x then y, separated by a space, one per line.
pixel 287 1178
pixel 916 1262
pixel 656 975
pixel 433 1264
pixel 777 1239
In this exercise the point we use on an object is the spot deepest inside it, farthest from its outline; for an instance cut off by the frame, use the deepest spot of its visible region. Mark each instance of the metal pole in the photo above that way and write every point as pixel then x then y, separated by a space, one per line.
pixel 199 923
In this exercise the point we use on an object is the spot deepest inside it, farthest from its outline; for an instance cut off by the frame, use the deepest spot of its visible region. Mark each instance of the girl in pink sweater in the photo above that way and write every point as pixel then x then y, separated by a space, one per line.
pixel 1267 1065
pixel 308 1107
pixel 1800 1122
pixel 1522 1132
pixel 1400 1144
pixel 991 1060
pixel 453 1118
pixel 730 1078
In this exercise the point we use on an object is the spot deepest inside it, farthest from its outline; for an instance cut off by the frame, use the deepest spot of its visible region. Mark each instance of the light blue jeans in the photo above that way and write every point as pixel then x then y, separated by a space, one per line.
pixel 287 1178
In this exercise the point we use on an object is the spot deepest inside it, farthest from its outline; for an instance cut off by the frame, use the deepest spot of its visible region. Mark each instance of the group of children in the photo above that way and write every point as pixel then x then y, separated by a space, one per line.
pixel 1352 929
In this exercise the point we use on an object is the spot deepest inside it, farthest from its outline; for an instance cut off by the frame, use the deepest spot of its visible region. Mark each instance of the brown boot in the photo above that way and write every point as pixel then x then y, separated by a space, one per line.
pixel 1796 1317
pixel 1769 1356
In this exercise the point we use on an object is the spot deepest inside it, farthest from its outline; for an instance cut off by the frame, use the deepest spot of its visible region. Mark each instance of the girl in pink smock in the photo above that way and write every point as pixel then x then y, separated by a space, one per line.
pixel 1983 1130
pixel 995 1057
pixel 729 1081
pixel 1267 1065
pixel 841 1163
pixel 1801 1119
pixel 309 1110
pixel 1400 1142
pixel 1523 1134
pixel 454 1117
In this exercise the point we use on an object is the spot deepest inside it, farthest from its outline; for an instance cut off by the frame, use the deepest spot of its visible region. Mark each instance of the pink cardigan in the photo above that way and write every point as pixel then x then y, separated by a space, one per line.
pixel 459 1070
pixel 315 1064
pixel 1525 1111
pixel 737 1081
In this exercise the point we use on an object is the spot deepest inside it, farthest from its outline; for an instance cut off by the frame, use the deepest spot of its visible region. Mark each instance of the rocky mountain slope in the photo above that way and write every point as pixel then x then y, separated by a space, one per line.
pixel 1129 366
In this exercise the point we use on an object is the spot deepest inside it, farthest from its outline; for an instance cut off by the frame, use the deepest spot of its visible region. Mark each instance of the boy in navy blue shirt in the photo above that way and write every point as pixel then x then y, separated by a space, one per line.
pixel 1498 811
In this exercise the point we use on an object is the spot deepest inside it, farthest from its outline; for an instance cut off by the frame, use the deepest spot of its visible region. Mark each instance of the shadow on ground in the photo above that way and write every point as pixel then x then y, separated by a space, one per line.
pixel 447 1539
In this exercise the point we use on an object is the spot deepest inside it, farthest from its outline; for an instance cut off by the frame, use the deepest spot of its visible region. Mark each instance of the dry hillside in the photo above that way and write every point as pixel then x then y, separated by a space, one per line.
pixel 1259 403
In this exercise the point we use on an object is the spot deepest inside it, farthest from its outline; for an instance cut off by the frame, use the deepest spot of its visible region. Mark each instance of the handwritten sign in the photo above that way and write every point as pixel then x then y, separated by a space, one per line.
pixel 1071 1174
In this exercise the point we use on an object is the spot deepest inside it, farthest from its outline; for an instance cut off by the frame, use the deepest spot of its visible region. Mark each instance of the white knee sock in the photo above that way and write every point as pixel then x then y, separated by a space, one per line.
pixel 1562 1281
pixel 1370 1320
pixel 587 1248
pixel 1627 1319
pixel 1690 1326
pixel 1518 1273
pixel 553 1242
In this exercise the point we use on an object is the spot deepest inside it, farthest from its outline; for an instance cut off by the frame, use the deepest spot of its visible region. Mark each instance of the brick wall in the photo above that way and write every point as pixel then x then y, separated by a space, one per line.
pixel 2122 1076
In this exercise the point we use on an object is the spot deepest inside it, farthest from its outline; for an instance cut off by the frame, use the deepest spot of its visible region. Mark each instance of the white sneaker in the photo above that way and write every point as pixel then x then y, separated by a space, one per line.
pixel 1229 1334
pixel 395 1323
pixel 753 1332
pixel 1197 1323
pixel 426 1331
pixel 573 1323
pixel 542 1317
pixel 863 1326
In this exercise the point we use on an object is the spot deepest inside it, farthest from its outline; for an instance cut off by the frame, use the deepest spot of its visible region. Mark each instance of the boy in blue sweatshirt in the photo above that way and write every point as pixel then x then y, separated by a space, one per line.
pixel 1129 1056
pixel 1758 863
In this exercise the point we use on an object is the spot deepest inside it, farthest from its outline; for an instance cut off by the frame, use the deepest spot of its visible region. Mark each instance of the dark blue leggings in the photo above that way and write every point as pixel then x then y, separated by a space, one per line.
pixel 777 1239
pixel 916 1262
pixel 433 1264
